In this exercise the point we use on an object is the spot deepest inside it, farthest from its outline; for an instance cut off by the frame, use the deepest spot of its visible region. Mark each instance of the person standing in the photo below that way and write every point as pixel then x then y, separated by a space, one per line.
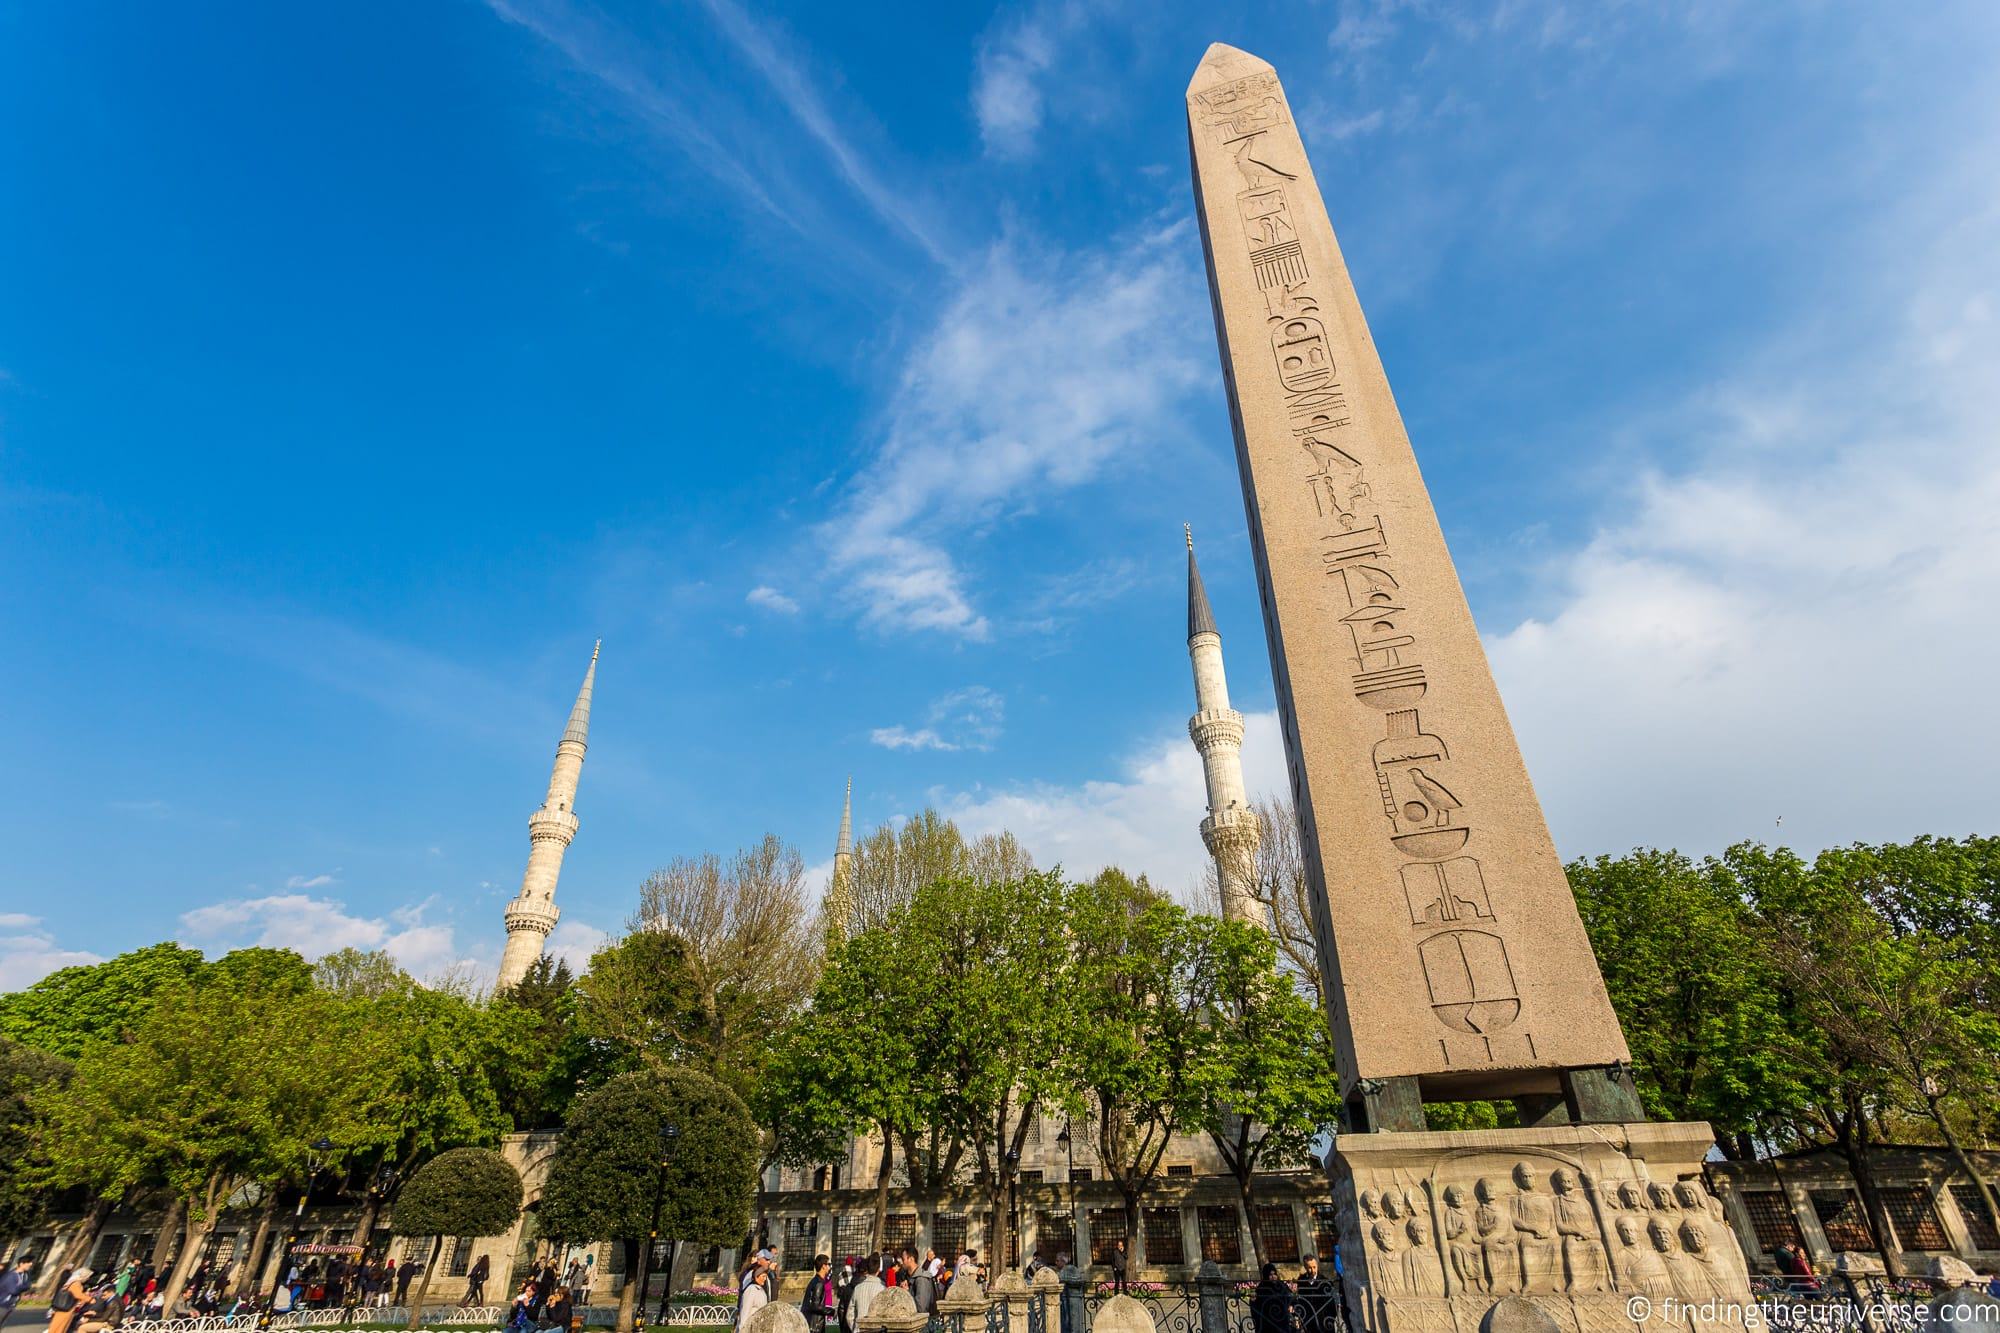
pixel 1118 1266
pixel 1316 1299
pixel 1271 1305
pixel 13 1282
pixel 475 1281
pixel 755 1295
pixel 819 1302
pixel 866 1288
pixel 922 1286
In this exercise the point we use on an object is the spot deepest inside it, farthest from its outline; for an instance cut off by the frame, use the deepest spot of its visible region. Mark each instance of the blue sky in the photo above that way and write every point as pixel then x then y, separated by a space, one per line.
pixel 848 370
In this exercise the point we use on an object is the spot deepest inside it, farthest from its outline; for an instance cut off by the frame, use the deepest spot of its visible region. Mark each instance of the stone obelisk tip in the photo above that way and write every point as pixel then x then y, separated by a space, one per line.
pixel 1221 63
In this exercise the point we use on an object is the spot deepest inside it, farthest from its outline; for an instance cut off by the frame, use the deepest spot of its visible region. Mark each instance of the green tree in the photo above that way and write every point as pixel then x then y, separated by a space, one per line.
pixel 612 1158
pixel 1268 1086
pixel 838 1069
pixel 895 861
pixel 75 1007
pixel 1145 976
pixel 1699 1001
pixel 427 1065
pixel 222 1085
pixel 460 1192
pixel 23 1070
pixel 538 1084
pixel 359 974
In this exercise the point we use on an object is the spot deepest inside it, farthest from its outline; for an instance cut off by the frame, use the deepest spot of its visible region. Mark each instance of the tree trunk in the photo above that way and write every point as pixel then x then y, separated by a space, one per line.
pixel 252 1267
pixel 191 1248
pixel 371 1212
pixel 78 1245
pixel 424 1283
pixel 629 1294
pixel 882 1189
pixel 170 1230
pixel 1854 1147
pixel 1965 1162
pixel 1135 1230
pixel 1250 1221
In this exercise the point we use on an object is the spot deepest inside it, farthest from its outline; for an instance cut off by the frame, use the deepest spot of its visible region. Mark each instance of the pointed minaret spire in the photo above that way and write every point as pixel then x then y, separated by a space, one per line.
pixel 1201 620
pixel 840 890
pixel 533 913
pixel 1231 831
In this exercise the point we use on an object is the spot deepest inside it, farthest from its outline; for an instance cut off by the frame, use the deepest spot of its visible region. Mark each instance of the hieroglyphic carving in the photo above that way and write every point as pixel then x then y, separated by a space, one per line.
pixel 1430 810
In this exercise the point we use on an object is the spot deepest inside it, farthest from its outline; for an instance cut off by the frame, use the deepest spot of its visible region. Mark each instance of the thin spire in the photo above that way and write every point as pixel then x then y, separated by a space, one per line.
pixel 578 729
pixel 845 847
pixel 1201 620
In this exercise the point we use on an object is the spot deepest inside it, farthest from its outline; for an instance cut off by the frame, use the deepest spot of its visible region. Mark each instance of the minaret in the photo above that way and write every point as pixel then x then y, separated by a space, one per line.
pixel 532 915
pixel 1231 830
pixel 840 891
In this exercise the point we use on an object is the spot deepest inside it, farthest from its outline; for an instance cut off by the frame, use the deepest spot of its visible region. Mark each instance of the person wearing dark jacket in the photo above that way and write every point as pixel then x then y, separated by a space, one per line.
pixel 1271 1305
pixel 13 1283
pixel 556 1314
pixel 475 1282
pixel 820 1303
pixel 1318 1301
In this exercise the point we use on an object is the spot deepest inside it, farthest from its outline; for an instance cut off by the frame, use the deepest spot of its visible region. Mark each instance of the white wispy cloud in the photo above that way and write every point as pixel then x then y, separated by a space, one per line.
pixel 309 881
pixel 971 718
pixel 314 926
pixel 1043 366
pixel 1144 816
pixel 895 203
pixel 1007 84
pixel 28 952
pixel 772 600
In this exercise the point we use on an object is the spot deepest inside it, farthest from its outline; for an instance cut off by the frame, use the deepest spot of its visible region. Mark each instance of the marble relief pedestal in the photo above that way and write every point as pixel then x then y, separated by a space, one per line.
pixel 1553 1229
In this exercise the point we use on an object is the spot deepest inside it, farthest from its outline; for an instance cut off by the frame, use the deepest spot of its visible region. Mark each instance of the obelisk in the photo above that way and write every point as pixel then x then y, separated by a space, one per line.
pixel 1458 967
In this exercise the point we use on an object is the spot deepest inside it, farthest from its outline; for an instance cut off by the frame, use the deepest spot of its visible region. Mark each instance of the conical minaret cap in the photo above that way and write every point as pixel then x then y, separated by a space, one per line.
pixel 578 729
pixel 1201 620
pixel 1222 63
pixel 845 847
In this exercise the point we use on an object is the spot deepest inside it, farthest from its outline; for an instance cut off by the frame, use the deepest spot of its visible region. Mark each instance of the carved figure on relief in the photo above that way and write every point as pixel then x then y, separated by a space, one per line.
pixel 1638 1261
pixel 1470 980
pixel 1258 174
pixel 1584 1261
pixel 1419 807
pixel 1386 1273
pixel 1266 220
pixel 1422 1275
pixel 1442 893
pixel 1535 1230
pixel 1498 1252
pixel 1459 1242
pixel 1337 481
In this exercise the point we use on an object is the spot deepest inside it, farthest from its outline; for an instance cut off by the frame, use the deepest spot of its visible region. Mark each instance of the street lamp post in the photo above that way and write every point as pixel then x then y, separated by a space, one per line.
pixel 1000 1261
pixel 670 1134
pixel 1069 1176
pixel 320 1147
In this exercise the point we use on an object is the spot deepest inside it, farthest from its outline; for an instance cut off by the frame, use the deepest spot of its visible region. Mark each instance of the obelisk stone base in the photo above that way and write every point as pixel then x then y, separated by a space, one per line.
pixel 1602 1228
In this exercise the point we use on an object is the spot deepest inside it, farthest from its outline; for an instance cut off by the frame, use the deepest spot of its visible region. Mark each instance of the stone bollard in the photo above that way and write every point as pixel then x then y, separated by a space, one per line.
pixel 1010 1292
pixel 1075 1318
pixel 776 1318
pixel 892 1311
pixel 964 1306
pixel 1047 1292
pixel 1214 1289
pixel 1123 1314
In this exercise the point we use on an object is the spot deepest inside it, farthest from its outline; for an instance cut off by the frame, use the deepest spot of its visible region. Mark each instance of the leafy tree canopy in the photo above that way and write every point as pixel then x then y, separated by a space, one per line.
pixel 602 1177
pixel 71 1009
pixel 460 1192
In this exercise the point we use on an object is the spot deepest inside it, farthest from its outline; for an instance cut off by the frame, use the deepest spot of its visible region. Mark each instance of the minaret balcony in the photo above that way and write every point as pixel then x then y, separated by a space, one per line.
pixel 555 825
pixel 1237 826
pixel 535 916
pixel 1212 727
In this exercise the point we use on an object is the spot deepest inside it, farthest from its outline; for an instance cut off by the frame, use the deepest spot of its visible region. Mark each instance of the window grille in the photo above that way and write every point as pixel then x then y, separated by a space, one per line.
pixel 1163 1237
pixel 1843 1220
pixel 461 1257
pixel 1771 1218
pixel 1914 1218
pixel 1107 1228
pixel 1326 1233
pixel 1221 1237
pixel 948 1235
pixel 898 1230
pixel 854 1235
pixel 1180 1171
pixel 1057 1234
pixel 1278 1227
pixel 799 1237
pixel 1979 1228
